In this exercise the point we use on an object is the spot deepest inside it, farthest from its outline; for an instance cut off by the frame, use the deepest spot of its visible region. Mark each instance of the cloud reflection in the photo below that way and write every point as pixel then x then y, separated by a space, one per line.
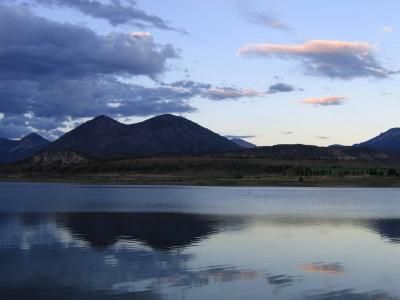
pixel 327 269
pixel 146 255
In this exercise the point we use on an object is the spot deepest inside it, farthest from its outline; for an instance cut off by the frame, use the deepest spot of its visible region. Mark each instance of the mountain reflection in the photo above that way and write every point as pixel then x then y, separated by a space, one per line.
pixel 162 231
pixel 149 256
pixel 387 228
pixel 349 294
pixel 46 257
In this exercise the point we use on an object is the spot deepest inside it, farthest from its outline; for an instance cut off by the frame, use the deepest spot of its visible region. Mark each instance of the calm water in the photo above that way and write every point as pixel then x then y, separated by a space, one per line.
pixel 61 241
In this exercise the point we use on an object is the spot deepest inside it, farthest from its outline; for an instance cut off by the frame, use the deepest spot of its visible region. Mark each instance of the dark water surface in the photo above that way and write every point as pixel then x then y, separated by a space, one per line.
pixel 64 241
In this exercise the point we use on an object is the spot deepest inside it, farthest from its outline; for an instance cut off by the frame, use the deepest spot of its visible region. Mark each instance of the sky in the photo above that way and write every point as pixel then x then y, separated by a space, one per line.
pixel 271 72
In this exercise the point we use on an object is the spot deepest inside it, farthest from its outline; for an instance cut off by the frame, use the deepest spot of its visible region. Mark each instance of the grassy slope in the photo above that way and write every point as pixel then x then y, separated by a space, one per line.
pixel 216 171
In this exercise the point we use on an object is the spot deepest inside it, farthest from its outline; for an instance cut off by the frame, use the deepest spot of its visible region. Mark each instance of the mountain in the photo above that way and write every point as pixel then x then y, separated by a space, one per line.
pixel 242 143
pixel 336 146
pixel 14 150
pixel 388 141
pixel 164 134
pixel 309 152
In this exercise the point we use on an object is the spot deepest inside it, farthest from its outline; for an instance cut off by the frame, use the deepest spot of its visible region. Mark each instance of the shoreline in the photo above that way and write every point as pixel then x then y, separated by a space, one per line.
pixel 385 182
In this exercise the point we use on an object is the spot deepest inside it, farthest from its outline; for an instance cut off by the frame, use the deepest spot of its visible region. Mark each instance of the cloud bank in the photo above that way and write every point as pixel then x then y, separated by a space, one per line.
pixel 52 74
pixel 33 47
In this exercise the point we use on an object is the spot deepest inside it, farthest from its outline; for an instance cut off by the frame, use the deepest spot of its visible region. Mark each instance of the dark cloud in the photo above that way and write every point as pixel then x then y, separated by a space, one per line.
pixel 11 128
pixel 16 126
pixel 86 97
pixel 321 137
pixel 32 47
pixel 206 90
pixel 328 58
pixel 52 74
pixel 116 12
pixel 223 93
pixel 287 132
pixel 189 84
pixel 44 106
pixel 281 87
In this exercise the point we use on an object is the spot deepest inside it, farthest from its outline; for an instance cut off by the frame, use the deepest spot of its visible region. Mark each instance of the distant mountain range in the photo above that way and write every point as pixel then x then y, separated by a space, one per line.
pixel 104 137
pixel 14 150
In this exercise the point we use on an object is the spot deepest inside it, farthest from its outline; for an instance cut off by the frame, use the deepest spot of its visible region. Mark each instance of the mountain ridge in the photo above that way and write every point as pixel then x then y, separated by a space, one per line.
pixel 163 134
pixel 311 152
pixel 386 141
pixel 167 134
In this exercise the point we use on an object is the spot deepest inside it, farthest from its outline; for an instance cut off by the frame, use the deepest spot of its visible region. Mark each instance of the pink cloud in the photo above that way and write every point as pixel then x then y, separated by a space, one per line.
pixel 310 47
pixel 325 101
pixel 141 34
pixel 327 269
pixel 330 58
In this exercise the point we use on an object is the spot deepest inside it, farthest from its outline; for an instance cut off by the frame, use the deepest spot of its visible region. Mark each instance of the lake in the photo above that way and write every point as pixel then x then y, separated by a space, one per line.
pixel 75 241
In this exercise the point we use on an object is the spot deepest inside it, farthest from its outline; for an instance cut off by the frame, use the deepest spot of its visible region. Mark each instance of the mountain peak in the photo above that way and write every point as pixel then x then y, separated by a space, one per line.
pixel 166 117
pixel 167 120
pixel 34 137
pixel 102 121
pixel 104 118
